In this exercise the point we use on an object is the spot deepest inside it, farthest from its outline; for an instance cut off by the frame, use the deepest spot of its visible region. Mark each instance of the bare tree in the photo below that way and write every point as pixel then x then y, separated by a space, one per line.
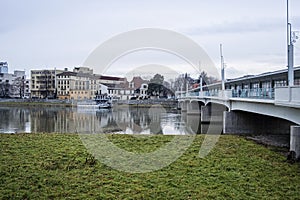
pixel 18 87
pixel 4 89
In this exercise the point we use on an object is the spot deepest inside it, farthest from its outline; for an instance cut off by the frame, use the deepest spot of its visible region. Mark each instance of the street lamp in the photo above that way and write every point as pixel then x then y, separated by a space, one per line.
pixel 290 50
pixel 222 68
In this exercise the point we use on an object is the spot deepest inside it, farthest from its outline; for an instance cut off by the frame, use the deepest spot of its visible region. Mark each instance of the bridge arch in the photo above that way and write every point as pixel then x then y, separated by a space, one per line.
pixel 217 104
pixel 282 112
pixel 244 122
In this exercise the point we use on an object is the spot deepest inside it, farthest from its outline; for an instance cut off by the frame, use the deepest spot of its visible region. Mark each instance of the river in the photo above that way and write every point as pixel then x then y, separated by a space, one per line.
pixel 128 120
pixel 124 120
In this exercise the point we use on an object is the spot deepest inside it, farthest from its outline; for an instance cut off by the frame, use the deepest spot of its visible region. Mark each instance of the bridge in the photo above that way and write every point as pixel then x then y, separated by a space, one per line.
pixel 261 104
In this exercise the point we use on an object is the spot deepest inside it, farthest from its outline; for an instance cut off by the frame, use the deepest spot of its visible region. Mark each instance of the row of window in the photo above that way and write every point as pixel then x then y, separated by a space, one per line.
pixel 72 92
pixel 125 92
pixel 64 82
pixel 63 76
pixel 267 84
pixel 43 72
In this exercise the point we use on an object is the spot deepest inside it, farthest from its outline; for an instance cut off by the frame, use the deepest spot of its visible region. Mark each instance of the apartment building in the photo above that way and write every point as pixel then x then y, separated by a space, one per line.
pixel 43 83
pixel 74 85
pixel 80 84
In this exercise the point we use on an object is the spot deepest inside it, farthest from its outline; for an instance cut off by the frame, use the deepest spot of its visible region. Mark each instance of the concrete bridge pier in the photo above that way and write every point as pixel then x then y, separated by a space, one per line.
pixel 295 141
pixel 240 122
pixel 212 113
pixel 205 114
pixel 193 124
pixel 194 108
pixel 183 106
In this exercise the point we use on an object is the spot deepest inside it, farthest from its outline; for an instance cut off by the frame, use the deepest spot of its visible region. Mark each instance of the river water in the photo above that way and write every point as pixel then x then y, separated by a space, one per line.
pixel 125 120
pixel 128 120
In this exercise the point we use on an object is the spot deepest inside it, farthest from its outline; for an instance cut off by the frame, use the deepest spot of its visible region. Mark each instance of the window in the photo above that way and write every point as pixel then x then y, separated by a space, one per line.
pixel 255 85
pixel 279 83
pixel 266 84
pixel 246 86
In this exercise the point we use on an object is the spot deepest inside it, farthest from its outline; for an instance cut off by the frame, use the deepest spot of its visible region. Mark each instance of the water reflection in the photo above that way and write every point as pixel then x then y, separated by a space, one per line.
pixel 132 120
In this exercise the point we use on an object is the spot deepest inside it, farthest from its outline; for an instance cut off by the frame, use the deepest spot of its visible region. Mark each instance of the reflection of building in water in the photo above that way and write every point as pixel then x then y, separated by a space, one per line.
pixel 69 120
pixel 64 121
pixel 12 119
pixel 126 120
pixel 43 120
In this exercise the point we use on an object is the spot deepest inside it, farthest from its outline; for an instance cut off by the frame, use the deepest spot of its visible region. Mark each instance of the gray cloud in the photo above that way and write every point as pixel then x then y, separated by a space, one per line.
pixel 238 27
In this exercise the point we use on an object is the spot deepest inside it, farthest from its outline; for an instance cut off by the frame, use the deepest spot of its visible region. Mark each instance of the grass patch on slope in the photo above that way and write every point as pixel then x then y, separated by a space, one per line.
pixel 56 166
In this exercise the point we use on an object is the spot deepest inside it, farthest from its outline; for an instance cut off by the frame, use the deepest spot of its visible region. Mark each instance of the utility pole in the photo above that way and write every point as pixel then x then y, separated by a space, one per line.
pixel 201 78
pixel 290 50
pixel 222 68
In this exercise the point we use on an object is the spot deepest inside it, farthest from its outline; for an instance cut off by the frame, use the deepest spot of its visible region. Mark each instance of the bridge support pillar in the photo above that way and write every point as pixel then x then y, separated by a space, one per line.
pixel 295 141
pixel 183 106
pixel 194 124
pixel 205 114
pixel 237 122
pixel 212 113
pixel 193 108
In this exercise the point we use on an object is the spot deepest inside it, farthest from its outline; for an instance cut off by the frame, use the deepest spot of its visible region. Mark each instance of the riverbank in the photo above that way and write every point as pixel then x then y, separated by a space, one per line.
pixel 48 166
pixel 147 103
pixel 35 102
pixel 166 103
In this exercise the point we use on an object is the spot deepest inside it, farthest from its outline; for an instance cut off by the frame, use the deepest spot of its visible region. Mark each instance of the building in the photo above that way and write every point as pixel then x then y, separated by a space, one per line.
pixel 254 85
pixel 264 80
pixel 43 83
pixel 3 67
pixel 143 91
pixel 27 91
pixel 12 85
pixel 80 84
pixel 115 85
pixel 74 85
pixel 121 89
pixel 84 70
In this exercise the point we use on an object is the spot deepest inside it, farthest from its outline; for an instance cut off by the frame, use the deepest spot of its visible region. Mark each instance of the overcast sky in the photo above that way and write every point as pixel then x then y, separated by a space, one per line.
pixel 38 34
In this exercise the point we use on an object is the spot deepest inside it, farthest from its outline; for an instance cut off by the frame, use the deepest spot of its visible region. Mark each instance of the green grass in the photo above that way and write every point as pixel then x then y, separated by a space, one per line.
pixel 57 166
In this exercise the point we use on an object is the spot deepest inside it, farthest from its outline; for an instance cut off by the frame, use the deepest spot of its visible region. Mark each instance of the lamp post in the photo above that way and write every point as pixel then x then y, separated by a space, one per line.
pixel 222 68
pixel 290 50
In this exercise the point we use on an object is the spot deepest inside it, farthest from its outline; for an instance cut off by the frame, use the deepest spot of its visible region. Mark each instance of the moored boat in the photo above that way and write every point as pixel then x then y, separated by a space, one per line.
pixel 103 101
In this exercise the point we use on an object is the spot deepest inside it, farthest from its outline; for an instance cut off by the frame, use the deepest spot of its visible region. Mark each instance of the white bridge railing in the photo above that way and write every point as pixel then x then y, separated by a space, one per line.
pixel 288 96
pixel 285 96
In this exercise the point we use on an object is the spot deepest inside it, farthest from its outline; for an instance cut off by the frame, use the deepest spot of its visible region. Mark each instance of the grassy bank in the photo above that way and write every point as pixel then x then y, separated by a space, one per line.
pixel 35 104
pixel 47 166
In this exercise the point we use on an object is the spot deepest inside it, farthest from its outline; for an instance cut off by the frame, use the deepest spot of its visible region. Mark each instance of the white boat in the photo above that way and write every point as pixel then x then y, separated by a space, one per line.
pixel 103 102
pixel 105 105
